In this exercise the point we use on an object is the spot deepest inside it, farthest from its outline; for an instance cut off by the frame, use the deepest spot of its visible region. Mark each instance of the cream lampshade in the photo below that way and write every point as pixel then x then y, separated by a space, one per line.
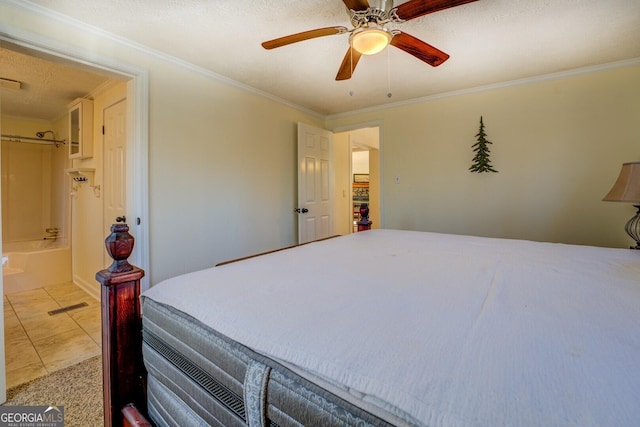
pixel 627 189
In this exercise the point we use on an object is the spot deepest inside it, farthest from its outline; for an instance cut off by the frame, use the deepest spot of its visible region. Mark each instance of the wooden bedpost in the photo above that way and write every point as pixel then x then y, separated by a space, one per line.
pixel 123 372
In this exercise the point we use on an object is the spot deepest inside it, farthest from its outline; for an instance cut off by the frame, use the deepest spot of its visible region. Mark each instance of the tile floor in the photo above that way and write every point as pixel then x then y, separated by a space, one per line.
pixel 37 343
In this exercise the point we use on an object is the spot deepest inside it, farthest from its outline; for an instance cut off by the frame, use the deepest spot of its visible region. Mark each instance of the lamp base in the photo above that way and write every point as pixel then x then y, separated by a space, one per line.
pixel 633 228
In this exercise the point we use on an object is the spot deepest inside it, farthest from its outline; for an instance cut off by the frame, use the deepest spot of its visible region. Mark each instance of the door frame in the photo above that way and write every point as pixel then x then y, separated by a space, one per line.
pixel 137 144
pixel 137 118
pixel 374 123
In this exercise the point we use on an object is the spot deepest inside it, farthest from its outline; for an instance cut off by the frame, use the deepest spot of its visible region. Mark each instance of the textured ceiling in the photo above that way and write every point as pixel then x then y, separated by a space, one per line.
pixel 490 42
pixel 46 87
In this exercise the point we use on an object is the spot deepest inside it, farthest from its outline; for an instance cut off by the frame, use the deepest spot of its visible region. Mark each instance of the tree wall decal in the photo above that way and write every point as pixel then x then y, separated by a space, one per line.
pixel 481 161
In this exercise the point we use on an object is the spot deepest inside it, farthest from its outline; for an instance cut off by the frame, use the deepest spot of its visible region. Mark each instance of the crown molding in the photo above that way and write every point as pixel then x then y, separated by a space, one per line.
pixel 520 82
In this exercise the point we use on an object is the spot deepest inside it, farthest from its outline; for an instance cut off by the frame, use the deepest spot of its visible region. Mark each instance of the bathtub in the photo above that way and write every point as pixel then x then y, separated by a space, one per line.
pixel 34 264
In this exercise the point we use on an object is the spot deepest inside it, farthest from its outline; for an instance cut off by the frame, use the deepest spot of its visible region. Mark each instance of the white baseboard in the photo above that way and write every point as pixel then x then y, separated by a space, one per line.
pixel 92 289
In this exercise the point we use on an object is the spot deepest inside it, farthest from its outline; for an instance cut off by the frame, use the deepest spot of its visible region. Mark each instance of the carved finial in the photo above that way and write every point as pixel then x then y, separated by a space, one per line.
pixel 119 246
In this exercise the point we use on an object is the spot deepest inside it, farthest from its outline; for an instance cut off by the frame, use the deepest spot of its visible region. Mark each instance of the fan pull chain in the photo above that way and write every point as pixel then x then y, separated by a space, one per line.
pixel 389 94
pixel 351 60
pixel 351 65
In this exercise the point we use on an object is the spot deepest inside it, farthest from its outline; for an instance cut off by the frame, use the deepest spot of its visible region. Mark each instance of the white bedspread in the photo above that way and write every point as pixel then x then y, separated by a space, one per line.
pixel 441 330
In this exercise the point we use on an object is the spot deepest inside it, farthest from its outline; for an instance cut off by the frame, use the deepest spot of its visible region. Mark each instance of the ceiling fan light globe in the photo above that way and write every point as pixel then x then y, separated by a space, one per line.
pixel 370 41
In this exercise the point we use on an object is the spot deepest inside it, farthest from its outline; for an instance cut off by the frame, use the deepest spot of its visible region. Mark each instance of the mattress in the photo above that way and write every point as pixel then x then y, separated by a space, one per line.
pixel 436 330
pixel 197 377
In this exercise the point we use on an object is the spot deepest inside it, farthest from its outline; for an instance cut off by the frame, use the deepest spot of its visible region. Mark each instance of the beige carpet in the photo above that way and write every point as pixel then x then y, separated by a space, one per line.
pixel 78 388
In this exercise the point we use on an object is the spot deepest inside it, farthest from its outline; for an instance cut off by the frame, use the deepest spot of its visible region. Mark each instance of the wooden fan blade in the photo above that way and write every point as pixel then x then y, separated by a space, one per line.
pixel 305 35
pixel 356 4
pixel 415 8
pixel 421 50
pixel 348 64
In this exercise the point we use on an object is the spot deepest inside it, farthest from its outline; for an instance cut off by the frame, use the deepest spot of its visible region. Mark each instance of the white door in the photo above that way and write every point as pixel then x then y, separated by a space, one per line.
pixel 114 179
pixel 315 184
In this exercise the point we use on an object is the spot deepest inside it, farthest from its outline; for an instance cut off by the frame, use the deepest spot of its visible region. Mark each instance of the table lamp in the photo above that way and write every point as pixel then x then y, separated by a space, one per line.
pixel 627 189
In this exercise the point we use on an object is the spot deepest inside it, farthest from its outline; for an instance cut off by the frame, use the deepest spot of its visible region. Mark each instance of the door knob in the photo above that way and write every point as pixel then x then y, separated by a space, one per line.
pixel 303 210
pixel 121 219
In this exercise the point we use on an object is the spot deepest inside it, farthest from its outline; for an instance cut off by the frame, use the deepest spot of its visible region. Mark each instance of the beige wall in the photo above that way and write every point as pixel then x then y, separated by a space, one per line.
pixel 222 172
pixel 360 162
pixel 558 146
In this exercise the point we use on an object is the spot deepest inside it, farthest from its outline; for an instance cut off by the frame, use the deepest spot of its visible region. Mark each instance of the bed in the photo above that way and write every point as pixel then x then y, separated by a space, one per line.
pixel 387 327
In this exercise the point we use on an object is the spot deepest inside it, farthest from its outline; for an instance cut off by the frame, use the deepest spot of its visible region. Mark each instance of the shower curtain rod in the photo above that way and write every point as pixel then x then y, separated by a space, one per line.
pixel 32 140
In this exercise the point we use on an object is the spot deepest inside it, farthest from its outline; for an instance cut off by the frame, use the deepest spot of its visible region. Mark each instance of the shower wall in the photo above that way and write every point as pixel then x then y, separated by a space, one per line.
pixel 34 185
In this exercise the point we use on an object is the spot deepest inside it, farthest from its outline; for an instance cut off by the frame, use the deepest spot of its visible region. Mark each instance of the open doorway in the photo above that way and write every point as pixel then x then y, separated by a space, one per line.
pixel 357 179
pixel 131 84
pixel 37 240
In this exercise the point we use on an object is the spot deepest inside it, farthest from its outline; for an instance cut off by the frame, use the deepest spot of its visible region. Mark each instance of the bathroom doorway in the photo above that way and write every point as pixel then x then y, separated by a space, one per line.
pixel 39 206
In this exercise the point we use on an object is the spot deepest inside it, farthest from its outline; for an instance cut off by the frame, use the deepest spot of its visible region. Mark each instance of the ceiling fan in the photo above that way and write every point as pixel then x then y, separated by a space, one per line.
pixel 370 35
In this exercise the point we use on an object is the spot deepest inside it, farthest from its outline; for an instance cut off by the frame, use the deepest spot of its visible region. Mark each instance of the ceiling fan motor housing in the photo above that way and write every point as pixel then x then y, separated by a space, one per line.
pixel 379 13
pixel 384 5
